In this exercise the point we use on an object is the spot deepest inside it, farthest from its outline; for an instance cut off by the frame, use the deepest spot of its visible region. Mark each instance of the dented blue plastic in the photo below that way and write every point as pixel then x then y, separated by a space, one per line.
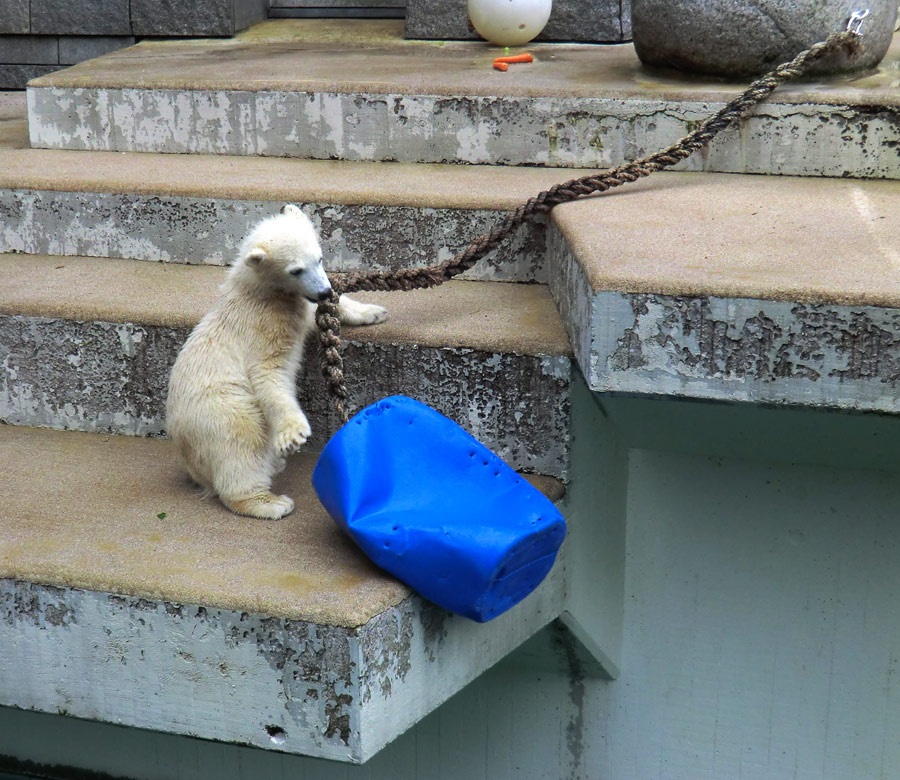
pixel 437 509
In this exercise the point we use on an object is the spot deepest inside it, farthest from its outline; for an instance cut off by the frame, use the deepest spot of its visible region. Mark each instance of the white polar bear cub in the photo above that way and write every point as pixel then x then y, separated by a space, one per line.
pixel 232 408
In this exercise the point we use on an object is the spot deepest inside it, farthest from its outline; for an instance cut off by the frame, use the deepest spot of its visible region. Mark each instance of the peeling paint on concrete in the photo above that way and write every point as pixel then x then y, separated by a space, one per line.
pixel 205 672
pixel 203 231
pixel 291 686
pixel 732 349
pixel 393 632
pixel 110 377
pixel 434 620
pixel 783 138
pixel 572 294
pixel 89 376
pixel 749 350
pixel 43 607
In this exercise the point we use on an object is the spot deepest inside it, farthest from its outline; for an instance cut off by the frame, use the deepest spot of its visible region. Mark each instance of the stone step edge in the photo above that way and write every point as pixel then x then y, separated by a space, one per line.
pixel 790 345
pixel 200 231
pixel 319 676
pixel 274 179
pixel 196 209
pixel 177 296
pixel 826 139
pixel 161 484
pixel 302 688
pixel 493 357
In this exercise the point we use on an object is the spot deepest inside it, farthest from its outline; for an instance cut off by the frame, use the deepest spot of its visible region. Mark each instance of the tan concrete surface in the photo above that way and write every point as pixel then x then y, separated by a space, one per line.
pixel 13 123
pixel 12 104
pixel 13 135
pixel 82 510
pixel 775 238
pixel 356 55
pixel 490 316
pixel 114 514
pixel 266 178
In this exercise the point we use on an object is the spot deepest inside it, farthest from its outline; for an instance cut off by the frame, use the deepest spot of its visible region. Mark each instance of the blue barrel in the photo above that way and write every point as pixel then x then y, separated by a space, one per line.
pixel 437 509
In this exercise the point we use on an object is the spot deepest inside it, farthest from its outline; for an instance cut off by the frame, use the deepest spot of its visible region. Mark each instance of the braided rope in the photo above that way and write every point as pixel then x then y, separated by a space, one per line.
pixel 417 278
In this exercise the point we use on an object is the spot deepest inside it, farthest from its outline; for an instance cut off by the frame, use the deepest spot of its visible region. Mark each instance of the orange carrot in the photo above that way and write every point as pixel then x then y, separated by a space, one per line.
pixel 517 58
pixel 500 65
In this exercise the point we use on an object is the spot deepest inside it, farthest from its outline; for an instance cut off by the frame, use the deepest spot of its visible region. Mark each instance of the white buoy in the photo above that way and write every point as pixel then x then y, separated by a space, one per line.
pixel 509 22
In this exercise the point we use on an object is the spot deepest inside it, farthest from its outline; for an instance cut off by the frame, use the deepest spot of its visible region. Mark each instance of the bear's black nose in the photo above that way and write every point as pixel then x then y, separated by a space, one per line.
pixel 325 295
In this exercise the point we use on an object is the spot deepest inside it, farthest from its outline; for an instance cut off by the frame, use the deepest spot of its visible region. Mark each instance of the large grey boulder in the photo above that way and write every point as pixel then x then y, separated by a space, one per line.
pixel 740 38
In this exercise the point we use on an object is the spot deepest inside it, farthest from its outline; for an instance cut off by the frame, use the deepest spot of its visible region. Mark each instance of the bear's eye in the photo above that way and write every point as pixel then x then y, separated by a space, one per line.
pixel 295 272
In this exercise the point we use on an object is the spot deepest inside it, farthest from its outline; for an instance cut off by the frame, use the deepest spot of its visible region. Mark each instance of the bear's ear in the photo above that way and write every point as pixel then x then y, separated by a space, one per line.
pixel 290 208
pixel 256 255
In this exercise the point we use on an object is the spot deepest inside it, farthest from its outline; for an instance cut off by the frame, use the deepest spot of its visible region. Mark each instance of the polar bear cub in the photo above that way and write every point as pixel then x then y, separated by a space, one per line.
pixel 232 408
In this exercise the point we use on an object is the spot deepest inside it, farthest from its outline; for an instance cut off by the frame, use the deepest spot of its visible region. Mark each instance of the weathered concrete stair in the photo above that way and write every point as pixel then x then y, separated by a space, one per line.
pixel 87 344
pixel 769 289
pixel 196 208
pixel 360 92
pixel 126 597
pixel 735 288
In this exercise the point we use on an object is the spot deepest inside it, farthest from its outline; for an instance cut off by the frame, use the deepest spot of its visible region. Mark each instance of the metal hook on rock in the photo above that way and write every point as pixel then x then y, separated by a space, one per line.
pixel 856 21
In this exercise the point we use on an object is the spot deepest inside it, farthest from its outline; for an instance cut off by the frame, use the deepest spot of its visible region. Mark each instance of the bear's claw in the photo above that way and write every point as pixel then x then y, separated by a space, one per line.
pixel 292 435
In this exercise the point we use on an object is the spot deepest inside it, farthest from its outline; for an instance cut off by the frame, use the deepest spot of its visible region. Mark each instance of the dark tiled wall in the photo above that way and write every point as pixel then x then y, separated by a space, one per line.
pixel 26 57
pixel 14 16
pixel 129 17
pixel 83 17
pixel 40 36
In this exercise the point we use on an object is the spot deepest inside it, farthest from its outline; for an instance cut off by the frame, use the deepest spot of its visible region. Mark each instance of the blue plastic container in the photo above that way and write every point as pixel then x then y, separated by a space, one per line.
pixel 437 509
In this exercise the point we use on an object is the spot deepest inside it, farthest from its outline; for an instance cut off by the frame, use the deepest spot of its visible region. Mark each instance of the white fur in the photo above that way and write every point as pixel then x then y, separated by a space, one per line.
pixel 232 408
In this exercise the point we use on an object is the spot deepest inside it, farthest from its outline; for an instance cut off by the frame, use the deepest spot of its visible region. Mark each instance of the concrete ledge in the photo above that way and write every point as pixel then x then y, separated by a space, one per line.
pixel 206 231
pixel 376 99
pixel 147 606
pixel 758 289
pixel 195 209
pixel 493 357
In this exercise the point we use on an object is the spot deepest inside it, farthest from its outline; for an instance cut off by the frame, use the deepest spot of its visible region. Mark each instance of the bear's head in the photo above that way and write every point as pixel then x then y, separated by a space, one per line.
pixel 283 253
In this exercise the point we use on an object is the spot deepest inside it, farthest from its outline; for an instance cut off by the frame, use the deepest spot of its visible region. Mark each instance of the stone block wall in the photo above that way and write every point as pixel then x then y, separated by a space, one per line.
pixel 25 57
pixel 276 5
pixel 40 36
pixel 584 21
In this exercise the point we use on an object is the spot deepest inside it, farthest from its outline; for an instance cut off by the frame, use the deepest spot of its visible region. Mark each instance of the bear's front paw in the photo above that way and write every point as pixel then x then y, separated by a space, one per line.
pixel 371 314
pixel 355 313
pixel 292 435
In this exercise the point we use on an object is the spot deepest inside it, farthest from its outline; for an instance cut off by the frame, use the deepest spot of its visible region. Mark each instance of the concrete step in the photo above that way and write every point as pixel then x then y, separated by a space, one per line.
pixel 87 344
pixel 197 208
pixel 127 598
pixel 761 289
pixel 355 90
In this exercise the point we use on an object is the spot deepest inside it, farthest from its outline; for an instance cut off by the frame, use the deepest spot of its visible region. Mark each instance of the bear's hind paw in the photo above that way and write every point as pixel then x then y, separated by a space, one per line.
pixel 265 506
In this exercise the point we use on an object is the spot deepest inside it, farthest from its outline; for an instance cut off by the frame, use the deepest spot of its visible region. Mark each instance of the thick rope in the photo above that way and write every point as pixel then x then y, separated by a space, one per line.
pixel 417 278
